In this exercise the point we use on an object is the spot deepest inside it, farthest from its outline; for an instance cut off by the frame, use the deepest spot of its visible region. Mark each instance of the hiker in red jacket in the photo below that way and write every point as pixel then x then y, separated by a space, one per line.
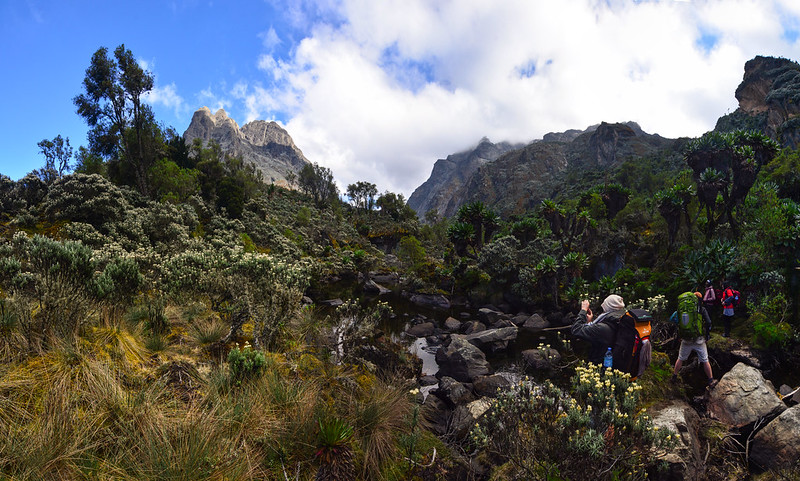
pixel 727 300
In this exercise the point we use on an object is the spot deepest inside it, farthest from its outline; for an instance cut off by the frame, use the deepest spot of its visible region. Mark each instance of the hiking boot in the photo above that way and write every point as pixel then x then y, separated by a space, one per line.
pixel 674 379
pixel 711 383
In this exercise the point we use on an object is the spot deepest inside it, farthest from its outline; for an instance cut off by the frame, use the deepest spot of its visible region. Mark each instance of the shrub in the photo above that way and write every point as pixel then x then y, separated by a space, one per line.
pixel 245 363
pixel 597 433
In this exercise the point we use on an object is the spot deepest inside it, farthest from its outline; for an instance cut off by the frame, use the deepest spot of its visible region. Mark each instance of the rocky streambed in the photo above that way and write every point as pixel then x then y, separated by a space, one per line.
pixel 470 354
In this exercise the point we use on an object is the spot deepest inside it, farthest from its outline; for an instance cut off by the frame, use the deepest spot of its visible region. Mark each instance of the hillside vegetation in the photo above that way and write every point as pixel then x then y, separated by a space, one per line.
pixel 155 320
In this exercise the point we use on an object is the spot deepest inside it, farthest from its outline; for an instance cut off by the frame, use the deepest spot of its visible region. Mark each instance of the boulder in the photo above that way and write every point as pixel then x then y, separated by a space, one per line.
pixel 372 287
pixel 389 278
pixel 435 301
pixel 489 316
pixel 488 386
pixel 428 380
pixel 500 323
pixel 465 417
pixel 777 446
pixel 422 329
pixel 535 323
pixel 472 327
pixel 435 415
pixel 520 319
pixel 489 336
pixel 542 359
pixel 742 397
pixel 461 360
pixel 684 461
pixel 453 392
pixel 452 325
pixel 332 302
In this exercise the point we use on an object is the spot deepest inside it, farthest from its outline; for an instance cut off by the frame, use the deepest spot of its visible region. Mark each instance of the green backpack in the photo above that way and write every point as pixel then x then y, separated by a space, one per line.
pixel 690 321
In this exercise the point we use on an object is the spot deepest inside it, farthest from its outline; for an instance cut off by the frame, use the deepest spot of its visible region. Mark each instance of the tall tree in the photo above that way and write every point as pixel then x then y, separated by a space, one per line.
pixel 362 194
pixel 57 154
pixel 123 127
pixel 317 181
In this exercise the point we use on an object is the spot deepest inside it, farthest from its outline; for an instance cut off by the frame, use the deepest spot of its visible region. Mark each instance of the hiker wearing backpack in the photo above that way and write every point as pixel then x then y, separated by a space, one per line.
pixel 600 332
pixel 729 300
pixel 694 326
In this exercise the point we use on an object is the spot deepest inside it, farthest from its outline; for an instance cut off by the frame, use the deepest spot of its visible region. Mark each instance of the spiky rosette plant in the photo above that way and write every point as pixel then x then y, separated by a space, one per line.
pixel 334 452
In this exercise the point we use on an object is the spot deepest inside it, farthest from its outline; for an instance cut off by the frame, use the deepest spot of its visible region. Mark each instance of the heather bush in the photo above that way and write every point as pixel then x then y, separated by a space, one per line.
pixel 595 431
pixel 85 198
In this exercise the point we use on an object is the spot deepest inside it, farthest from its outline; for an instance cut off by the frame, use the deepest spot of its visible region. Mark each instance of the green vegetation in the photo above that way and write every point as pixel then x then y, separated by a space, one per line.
pixel 153 326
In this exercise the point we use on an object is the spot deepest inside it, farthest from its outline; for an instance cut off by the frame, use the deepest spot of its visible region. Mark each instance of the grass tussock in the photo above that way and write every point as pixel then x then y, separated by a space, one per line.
pixel 103 406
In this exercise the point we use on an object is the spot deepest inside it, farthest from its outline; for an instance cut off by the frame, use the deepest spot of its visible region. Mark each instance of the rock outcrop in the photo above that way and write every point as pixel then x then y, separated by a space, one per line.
pixel 265 144
pixel 769 100
pixel 450 174
pixel 741 398
pixel 461 360
pixel 685 460
pixel 777 446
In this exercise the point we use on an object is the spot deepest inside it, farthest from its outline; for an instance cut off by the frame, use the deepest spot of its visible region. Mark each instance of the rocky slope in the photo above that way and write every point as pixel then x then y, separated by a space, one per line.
pixel 265 144
pixel 769 100
pixel 521 178
pixel 449 176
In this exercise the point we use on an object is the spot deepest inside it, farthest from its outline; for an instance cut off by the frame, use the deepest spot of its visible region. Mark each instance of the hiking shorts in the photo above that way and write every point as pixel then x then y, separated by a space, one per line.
pixel 698 346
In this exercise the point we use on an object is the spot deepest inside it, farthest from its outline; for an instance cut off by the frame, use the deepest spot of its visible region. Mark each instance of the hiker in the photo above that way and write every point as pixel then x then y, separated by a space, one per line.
pixel 710 296
pixel 600 334
pixel 694 326
pixel 728 303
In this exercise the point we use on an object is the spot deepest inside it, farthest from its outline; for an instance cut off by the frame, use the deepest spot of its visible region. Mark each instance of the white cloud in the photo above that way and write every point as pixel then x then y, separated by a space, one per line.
pixel 167 96
pixel 385 88
pixel 269 39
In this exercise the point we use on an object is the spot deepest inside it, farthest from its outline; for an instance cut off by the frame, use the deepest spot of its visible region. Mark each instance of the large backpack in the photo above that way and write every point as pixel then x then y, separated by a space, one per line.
pixel 732 298
pixel 632 350
pixel 690 321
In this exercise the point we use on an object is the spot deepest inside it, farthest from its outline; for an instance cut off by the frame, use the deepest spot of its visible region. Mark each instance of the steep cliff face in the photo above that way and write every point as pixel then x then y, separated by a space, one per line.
pixel 265 144
pixel 450 174
pixel 521 178
pixel 769 100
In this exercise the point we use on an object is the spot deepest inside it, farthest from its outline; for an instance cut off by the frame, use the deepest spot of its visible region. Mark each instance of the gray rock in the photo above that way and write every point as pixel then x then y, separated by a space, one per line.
pixel 452 324
pixel 465 417
pixel 541 359
pixel 332 302
pixel 472 327
pixel 435 415
pixel 520 319
pixel 453 392
pixel 777 446
pixel 489 316
pixel 435 301
pixel 428 380
pixel 684 461
pixel 487 386
pixel 265 144
pixel 373 287
pixel 535 323
pixel 503 323
pixel 461 360
pixel 742 397
pixel 422 329
pixel 388 278
pixel 488 336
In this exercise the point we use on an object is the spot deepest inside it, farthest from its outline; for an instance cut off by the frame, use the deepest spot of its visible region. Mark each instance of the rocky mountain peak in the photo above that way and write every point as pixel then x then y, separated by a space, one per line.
pixel 769 100
pixel 265 144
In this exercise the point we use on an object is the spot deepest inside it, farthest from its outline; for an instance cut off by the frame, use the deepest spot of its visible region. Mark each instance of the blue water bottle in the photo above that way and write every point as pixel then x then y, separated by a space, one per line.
pixel 608 359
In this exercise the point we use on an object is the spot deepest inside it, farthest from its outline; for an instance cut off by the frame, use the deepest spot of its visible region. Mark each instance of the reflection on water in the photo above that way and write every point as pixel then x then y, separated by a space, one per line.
pixel 427 354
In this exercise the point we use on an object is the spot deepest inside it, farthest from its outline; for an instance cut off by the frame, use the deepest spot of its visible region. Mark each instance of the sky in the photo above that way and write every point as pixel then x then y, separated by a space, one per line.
pixel 378 90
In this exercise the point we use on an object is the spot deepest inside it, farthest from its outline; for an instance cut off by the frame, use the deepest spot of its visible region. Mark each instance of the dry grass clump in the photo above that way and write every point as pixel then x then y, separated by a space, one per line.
pixel 101 406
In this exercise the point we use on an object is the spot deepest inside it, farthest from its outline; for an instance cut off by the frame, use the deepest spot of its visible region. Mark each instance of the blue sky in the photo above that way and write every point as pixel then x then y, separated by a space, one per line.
pixel 377 90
